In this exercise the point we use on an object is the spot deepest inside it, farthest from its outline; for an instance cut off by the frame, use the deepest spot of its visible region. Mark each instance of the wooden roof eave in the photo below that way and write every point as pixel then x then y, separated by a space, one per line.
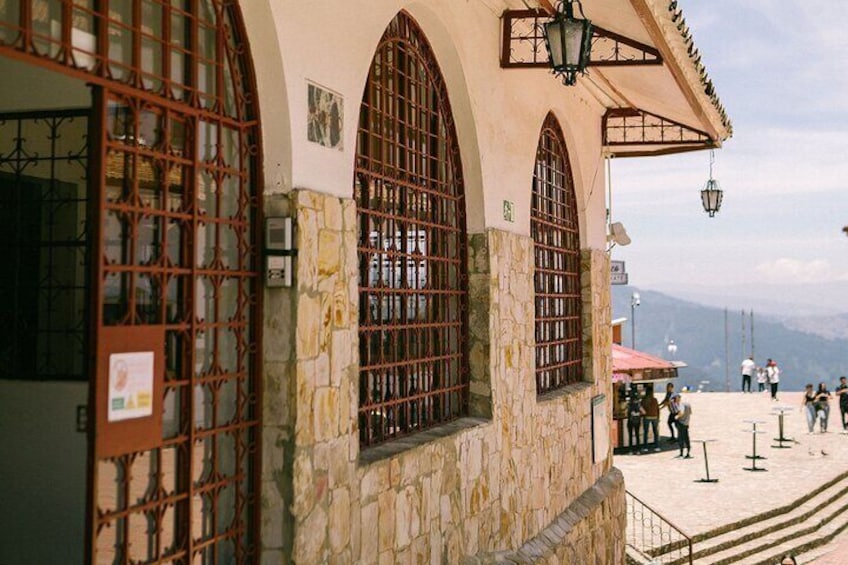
pixel 670 42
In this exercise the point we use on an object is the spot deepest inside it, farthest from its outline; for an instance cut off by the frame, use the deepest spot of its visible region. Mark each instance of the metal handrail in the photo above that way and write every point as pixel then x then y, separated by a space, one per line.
pixel 651 534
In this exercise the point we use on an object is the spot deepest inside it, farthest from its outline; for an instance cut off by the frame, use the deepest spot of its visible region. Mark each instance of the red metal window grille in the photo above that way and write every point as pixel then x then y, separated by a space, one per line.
pixel 175 194
pixel 181 50
pixel 412 244
pixel 556 250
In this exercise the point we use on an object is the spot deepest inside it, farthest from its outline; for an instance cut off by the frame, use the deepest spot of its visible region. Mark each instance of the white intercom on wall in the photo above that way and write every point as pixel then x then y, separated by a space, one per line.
pixel 279 251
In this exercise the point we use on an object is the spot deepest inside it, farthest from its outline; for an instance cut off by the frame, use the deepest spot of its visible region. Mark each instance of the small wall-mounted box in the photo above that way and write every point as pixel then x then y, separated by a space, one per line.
pixel 278 270
pixel 279 252
pixel 278 235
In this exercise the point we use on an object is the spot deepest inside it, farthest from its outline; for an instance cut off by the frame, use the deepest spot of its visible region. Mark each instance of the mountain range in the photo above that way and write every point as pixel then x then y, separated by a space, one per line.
pixel 808 348
pixel 780 300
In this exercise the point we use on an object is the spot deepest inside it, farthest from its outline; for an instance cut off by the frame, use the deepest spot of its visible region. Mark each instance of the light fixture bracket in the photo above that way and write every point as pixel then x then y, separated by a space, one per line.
pixel 523 44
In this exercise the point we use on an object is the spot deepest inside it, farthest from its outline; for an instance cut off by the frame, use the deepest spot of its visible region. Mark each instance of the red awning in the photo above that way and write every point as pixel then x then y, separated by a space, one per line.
pixel 641 366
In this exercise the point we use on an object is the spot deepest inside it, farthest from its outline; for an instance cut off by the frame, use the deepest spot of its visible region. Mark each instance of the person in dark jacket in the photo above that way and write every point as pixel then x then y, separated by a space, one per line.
pixel 666 403
pixel 651 408
pixel 842 393
pixel 634 420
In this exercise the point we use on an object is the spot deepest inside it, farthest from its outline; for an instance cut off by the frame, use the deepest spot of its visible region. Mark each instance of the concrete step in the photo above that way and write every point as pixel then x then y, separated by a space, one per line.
pixel 793 522
pixel 801 546
pixel 802 517
pixel 633 556
pixel 828 553
pixel 795 539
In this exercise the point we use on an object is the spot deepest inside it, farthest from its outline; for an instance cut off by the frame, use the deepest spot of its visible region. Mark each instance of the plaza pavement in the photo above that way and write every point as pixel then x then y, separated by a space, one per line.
pixel 668 485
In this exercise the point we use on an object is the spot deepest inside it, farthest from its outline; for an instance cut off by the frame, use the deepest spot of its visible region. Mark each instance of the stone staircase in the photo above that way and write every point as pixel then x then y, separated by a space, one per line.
pixel 798 528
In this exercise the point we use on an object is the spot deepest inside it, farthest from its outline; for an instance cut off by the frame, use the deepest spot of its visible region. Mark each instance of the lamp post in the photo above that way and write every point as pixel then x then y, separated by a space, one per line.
pixel 672 349
pixel 634 302
pixel 569 41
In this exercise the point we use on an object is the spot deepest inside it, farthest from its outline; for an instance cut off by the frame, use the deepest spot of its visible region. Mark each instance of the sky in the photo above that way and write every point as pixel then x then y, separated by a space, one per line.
pixel 780 69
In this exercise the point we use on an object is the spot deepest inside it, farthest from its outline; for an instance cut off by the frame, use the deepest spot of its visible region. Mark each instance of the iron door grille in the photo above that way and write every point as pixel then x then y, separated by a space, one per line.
pixel 175 168
pixel 556 249
pixel 412 244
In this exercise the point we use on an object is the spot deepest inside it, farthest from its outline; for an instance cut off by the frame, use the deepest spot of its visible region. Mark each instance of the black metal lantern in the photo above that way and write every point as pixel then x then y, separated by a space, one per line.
pixel 711 194
pixel 711 197
pixel 569 41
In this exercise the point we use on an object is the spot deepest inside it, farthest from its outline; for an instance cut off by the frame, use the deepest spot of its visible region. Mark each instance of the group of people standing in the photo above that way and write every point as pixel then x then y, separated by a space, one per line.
pixel 816 404
pixel 643 415
pixel 767 375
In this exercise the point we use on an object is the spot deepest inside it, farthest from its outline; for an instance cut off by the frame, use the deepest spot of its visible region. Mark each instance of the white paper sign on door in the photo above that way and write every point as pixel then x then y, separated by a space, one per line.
pixel 130 385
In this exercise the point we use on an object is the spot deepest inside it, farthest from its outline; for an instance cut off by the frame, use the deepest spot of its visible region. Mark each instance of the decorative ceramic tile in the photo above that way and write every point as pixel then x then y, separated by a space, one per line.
pixel 325 120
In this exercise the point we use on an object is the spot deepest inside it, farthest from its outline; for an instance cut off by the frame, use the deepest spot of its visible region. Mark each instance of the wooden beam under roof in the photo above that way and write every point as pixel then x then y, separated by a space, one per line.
pixel 547 5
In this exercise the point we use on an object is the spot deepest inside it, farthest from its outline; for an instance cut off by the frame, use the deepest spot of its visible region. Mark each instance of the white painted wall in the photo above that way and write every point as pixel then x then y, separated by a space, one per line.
pixel 498 112
pixel 37 89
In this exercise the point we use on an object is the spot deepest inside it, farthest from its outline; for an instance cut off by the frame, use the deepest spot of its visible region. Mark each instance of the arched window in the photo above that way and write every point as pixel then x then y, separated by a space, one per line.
pixel 556 249
pixel 412 244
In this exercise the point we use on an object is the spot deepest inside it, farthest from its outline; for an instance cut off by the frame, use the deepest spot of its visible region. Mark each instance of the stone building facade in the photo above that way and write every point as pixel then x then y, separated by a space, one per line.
pixel 521 468
pixel 516 478
pixel 434 385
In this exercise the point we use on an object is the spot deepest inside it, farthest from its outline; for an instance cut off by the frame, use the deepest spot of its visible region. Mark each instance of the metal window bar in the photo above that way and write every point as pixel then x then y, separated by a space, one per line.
pixel 412 245
pixel 181 50
pixel 556 236
pixel 651 535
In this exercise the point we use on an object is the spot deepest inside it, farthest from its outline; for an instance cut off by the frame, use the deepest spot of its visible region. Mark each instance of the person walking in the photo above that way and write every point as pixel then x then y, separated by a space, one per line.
pixel 634 421
pixel 809 404
pixel 761 379
pixel 684 414
pixel 842 393
pixel 651 409
pixel 773 373
pixel 748 367
pixel 666 403
pixel 823 407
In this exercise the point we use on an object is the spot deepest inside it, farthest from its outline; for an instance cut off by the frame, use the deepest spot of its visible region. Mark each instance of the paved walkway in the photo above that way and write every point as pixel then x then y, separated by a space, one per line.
pixel 668 484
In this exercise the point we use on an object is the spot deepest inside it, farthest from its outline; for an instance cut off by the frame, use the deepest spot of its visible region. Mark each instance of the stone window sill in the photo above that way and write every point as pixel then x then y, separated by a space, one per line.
pixel 396 447
pixel 568 390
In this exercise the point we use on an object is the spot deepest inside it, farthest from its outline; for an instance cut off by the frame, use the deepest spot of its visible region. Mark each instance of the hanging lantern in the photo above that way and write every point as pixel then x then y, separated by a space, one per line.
pixel 569 41
pixel 711 194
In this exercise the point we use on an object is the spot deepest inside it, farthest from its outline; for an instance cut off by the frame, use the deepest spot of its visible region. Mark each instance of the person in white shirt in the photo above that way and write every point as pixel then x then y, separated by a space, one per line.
pixel 773 373
pixel 748 367
pixel 684 413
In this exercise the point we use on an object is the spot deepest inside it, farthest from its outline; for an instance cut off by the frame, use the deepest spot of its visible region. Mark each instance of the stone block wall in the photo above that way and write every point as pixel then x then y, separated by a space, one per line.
pixel 589 532
pixel 483 484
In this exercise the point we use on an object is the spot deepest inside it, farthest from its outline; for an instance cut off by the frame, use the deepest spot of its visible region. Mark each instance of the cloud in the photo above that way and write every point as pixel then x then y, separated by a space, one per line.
pixel 778 70
pixel 763 161
pixel 789 271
